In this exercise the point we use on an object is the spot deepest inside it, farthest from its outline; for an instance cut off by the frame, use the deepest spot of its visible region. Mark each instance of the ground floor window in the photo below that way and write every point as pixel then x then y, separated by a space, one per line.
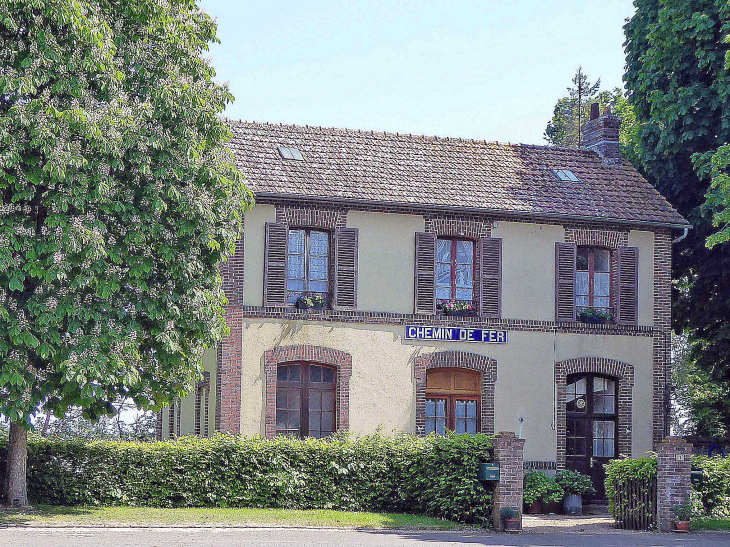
pixel 305 400
pixel 452 400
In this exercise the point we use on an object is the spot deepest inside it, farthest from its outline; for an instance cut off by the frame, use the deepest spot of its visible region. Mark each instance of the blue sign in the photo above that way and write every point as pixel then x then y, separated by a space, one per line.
pixel 456 334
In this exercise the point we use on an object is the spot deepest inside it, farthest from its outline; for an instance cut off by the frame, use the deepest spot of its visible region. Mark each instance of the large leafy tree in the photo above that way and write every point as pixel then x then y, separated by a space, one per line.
pixel 679 86
pixel 119 200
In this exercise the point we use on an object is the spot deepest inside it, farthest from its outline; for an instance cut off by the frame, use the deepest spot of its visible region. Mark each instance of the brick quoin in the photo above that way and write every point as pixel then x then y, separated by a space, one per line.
pixel 340 360
pixel 674 468
pixel 508 452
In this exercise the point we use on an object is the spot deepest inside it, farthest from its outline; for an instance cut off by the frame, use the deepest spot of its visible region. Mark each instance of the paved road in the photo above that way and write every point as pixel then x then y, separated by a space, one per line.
pixel 293 537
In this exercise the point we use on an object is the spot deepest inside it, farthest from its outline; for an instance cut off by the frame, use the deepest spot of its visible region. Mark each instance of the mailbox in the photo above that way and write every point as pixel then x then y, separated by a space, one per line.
pixel 696 476
pixel 488 472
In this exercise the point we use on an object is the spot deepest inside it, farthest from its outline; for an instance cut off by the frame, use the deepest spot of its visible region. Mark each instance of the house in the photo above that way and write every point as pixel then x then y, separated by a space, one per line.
pixel 451 284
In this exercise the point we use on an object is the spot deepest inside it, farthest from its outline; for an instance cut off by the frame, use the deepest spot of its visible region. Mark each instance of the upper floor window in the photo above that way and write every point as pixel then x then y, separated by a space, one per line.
pixel 454 270
pixel 593 279
pixel 305 400
pixel 308 265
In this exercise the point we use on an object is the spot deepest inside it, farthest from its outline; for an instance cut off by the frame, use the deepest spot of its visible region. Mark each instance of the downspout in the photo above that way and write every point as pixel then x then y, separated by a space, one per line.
pixel 680 238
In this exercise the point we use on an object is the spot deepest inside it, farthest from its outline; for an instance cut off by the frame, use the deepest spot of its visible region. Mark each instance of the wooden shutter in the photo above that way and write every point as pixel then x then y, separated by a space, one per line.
pixel 565 255
pixel 425 279
pixel 275 264
pixel 490 251
pixel 345 269
pixel 627 302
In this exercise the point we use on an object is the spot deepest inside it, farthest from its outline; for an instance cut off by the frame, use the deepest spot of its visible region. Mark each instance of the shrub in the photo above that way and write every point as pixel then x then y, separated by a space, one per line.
pixel 627 469
pixel 714 492
pixel 573 482
pixel 538 486
pixel 435 476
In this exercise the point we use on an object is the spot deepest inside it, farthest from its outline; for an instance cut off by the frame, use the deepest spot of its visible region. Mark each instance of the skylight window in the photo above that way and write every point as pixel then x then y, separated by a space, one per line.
pixel 290 153
pixel 564 174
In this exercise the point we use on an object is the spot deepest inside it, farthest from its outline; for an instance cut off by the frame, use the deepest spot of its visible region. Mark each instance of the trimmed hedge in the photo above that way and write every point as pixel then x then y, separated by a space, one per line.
pixel 435 476
pixel 711 499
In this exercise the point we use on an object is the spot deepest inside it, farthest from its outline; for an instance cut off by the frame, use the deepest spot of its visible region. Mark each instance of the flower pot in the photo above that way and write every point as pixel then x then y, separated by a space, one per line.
pixel 512 525
pixel 534 508
pixel 681 525
pixel 573 504
pixel 459 313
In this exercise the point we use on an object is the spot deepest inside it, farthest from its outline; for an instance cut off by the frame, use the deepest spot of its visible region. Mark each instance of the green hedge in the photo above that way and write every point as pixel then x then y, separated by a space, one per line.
pixel 435 476
pixel 711 499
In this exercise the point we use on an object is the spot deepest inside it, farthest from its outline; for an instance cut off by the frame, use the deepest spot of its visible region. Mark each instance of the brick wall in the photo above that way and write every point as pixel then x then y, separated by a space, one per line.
pixel 508 451
pixel 673 478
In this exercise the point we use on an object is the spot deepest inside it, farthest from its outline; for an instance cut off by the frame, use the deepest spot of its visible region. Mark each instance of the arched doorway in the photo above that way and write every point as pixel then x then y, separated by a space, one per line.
pixel 591 433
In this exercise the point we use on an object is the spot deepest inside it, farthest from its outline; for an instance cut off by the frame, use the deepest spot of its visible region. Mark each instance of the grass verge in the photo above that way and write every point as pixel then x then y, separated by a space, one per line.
pixel 711 524
pixel 51 515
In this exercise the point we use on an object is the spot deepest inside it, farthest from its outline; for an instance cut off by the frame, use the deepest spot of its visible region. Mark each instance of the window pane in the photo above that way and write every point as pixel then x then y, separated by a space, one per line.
pixel 441 426
pixel 318 268
pixel 294 419
pixel 295 373
pixel 294 400
pixel 315 373
pixel 328 422
pixel 318 243
pixel 328 375
pixel 471 409
pixel 441 407
pixel 602 284
pixel 443 250
pixel 608 430
pixel 314 420
pixel 443 293
pixel 598 429
pixel 581 301
pixel 460 426
pixel 464 252
pixel 464 294
pixel 609 404
pixel 315 401
pixel 296 242
pixel 430 407
pixel 461 409
pixel 430 425
pixel 471 426
pixel 281 400
pixel 295 285
pixel 582 259
pixel 443 275
pixel 464 276
pixel 581 283
pixel 580 386
pixel 608 448
pixel 598 403
pixel 282 374
pixel 295 267
pixel 601 302
pixel 328 400
pixel 598 448
pixel 601 260
pixel 281 419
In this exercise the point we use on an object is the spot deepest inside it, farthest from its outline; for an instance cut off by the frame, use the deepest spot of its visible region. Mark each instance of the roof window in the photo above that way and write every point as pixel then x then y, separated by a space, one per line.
pixel 290 153
pixel 564 174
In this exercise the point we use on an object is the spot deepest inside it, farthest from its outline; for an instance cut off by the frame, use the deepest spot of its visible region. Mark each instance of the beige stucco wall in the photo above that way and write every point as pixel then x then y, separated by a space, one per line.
pixel 386 247
pixel 382 387
pixel 528 269
pixel 645 243
pixel 254 239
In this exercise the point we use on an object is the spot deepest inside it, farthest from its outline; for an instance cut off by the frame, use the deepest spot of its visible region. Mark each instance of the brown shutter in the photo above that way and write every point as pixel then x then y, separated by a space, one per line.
pixel 565 254
pixel 345 269
pixel 628 286
pixel 490 250
pixel 275 264
pixel 425 281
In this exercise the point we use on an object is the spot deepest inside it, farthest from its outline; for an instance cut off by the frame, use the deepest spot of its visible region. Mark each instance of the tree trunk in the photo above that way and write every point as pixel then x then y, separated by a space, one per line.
pixel 17 494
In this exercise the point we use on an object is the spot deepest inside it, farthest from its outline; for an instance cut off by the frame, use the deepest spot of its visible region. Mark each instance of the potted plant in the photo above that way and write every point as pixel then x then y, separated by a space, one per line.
pixel 598 316
pixel 457 308
pixel 682 516
pixel 510 518
pixel 314 302
pixel 535 487
pixel 552 497
pixel 574 485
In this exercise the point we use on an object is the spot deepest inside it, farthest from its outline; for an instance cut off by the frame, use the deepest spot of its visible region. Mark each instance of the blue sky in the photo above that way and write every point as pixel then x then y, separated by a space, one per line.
pixel 475 69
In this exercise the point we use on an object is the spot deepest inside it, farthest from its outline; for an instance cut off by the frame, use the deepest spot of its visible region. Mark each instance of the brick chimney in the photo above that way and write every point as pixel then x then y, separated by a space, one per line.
pixel 600 134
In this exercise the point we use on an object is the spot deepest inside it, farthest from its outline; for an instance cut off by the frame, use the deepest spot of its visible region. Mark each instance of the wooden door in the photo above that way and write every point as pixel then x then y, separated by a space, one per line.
pixel 591 426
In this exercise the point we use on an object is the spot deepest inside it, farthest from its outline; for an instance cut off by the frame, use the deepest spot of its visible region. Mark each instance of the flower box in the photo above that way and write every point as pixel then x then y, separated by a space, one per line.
pixel 303 304
pixel 459 313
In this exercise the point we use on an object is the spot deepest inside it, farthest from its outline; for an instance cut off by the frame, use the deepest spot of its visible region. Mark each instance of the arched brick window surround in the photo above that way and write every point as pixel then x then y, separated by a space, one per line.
pixel 315 354
pixel 456 359
pixel 623 372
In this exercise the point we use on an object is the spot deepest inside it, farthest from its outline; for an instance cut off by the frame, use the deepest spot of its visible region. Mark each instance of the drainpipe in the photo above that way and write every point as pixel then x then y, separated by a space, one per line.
pixel 680 238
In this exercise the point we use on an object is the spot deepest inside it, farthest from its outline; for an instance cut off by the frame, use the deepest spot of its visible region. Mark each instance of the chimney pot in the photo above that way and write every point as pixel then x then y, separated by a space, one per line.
pixel 594 111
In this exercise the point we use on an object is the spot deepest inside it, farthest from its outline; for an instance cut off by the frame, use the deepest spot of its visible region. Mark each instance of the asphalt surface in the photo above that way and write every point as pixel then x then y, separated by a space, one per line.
pixel 298 537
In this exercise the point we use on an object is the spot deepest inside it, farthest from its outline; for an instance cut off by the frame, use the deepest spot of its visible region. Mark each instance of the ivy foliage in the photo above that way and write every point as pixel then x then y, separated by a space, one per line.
pixel 435 476
pixel 624 470
pixel 118 201
pixel 678 83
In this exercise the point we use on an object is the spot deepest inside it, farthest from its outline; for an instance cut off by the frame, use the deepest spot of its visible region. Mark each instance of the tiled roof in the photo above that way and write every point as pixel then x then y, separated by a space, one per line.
pixel 387 168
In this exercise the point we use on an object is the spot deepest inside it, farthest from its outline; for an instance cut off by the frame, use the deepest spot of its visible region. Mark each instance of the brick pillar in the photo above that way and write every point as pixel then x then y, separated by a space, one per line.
pixel 673 478
pixel 508 491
